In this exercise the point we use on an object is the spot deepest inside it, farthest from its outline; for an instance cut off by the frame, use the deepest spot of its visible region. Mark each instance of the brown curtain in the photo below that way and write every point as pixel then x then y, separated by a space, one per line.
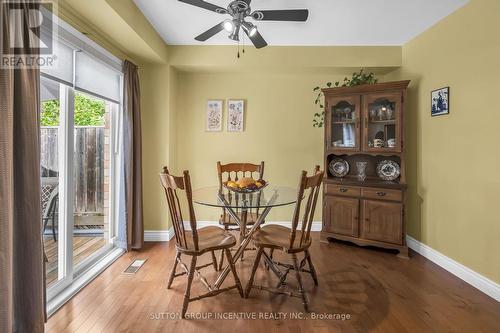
pixel 22 304
pixel 133 157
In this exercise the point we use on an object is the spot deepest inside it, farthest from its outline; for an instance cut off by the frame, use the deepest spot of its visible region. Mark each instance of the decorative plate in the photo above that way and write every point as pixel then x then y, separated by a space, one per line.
pixel 338 167
pixel 388 170
pixel 245 190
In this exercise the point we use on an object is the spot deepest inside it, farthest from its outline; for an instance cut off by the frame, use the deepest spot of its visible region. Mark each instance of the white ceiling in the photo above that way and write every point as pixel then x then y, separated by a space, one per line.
pixel 330 23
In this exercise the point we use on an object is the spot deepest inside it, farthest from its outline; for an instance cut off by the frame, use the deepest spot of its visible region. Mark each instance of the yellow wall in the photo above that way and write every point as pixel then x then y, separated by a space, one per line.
pixel 273 59
pixel 454 160
pixel 157 140
pixel 278 129
pixel 281 97
pixel 117 25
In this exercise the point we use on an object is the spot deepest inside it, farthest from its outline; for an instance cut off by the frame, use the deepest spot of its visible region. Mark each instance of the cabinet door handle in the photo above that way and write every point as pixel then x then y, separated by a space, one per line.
pixel 381 194
pixel 343 190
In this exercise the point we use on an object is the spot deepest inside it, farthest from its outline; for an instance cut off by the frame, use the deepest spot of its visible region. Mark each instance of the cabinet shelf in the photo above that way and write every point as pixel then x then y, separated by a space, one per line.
pixel 353 151
pixel 391 121
pixel 344 122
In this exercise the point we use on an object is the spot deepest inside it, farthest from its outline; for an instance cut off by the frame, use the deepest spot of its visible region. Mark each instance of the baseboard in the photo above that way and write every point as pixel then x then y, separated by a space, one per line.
pixel 158 235
pixel 166 235
pixel 473 278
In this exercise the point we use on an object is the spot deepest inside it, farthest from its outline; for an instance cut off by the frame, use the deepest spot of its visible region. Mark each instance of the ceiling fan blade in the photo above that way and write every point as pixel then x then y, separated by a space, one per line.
pixel 206 5
pixel 210 32
pixel 257 39
pixel 299 15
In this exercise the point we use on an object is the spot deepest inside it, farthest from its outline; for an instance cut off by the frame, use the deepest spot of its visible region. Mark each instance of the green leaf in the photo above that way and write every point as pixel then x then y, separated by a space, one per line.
pixel 328 84
pixel 88 112
pixel 316 89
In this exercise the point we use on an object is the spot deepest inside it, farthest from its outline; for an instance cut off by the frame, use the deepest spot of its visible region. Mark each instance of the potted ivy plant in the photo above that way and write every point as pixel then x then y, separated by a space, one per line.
pixel 357 79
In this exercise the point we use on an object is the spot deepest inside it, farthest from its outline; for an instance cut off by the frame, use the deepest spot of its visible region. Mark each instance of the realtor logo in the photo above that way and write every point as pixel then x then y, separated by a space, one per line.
pixel 28 34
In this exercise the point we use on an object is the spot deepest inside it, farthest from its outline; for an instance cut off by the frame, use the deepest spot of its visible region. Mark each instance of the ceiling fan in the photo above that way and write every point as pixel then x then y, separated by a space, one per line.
pixel 239 11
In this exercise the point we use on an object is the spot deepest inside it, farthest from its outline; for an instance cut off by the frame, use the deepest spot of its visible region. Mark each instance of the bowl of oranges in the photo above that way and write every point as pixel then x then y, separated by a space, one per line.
pixel 245 185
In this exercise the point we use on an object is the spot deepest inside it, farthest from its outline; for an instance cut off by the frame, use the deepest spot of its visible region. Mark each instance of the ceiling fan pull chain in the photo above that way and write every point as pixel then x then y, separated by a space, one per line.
pixel 238 49
pixel 243 37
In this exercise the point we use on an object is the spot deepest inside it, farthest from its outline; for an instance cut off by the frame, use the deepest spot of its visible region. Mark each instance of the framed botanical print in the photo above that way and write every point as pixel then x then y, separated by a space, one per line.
pixel 235 115
pixel 440 100
pixel 214 116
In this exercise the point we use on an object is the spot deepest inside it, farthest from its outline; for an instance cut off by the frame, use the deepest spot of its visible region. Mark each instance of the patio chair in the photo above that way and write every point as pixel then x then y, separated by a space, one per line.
pixel 50 194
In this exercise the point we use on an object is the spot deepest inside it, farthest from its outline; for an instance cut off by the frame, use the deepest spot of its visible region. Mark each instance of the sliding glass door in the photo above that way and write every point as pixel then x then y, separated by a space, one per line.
pixel 77 166
pixel 81 96
pixel 92 169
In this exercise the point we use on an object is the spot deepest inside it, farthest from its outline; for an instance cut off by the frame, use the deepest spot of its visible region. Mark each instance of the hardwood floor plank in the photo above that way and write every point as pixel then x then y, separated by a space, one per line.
pixel 379 291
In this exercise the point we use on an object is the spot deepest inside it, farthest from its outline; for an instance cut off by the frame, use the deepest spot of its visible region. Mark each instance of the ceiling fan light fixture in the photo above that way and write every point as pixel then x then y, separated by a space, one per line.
pixel 250 28
pixel 235 35
pixel 229 25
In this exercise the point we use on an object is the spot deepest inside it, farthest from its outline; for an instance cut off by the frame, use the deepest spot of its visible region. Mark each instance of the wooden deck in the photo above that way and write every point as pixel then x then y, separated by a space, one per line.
pixel 83 247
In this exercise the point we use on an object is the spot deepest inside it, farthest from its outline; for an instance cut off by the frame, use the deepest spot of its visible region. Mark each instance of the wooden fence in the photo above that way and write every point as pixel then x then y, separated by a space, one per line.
pixel 88 165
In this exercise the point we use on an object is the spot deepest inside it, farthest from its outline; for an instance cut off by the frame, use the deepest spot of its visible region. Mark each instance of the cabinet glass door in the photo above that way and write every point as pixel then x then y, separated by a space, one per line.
pixel 343 123
pixel 382 122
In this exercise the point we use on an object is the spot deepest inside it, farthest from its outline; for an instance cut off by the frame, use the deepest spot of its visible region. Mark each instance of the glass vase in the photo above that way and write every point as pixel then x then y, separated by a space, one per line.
pixel 361 168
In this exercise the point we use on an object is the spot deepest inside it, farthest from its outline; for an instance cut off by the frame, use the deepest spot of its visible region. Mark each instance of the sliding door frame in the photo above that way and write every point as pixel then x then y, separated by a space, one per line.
pixel 66 191
pixel 67 271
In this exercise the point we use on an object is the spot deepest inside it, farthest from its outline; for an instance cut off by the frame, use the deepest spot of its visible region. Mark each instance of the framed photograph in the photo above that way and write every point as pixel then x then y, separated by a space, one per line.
pixel 440 100
pixel 214 116
pixel 235 115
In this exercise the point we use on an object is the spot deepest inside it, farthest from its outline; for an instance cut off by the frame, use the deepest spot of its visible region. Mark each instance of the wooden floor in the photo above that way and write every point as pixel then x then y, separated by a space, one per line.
pixel 380 292
pixel 83 247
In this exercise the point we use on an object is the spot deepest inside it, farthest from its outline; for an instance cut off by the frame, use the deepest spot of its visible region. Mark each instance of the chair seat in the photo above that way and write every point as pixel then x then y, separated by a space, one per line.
pixel 209 239
pixel 278 237
pixel 229 220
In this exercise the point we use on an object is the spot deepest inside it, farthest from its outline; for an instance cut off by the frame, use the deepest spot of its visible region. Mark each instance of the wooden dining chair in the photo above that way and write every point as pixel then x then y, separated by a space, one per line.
pixel 195 242
pixel 234 172
pixel 291 241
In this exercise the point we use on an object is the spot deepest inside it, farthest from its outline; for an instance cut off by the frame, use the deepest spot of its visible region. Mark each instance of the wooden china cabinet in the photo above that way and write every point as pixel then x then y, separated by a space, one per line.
pixel 365 124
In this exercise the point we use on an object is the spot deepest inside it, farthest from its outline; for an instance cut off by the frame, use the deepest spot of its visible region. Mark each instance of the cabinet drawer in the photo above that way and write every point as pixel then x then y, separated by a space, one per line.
pixel 382 194
pixel 348 191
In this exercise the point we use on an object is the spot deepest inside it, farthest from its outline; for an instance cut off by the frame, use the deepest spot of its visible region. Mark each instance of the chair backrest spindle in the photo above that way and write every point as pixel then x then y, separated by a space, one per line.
pixel 224 172
pixel 310 185
pixel 171 184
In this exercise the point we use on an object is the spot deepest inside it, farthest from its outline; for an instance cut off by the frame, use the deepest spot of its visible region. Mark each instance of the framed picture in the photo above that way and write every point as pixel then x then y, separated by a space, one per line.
pixel 214 116
pixel 235 115
pixel 440 100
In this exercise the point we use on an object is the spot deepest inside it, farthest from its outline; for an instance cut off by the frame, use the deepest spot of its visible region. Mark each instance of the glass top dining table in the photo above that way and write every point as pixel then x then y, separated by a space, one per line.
pixel 266 198
pixel 238 204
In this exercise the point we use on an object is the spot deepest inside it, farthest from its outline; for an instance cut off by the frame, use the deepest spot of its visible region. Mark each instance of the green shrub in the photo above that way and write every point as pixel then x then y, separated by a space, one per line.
pixel 88 111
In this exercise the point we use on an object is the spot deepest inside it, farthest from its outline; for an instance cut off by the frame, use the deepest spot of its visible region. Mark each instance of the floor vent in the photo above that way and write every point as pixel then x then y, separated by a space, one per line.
pixel 135 266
